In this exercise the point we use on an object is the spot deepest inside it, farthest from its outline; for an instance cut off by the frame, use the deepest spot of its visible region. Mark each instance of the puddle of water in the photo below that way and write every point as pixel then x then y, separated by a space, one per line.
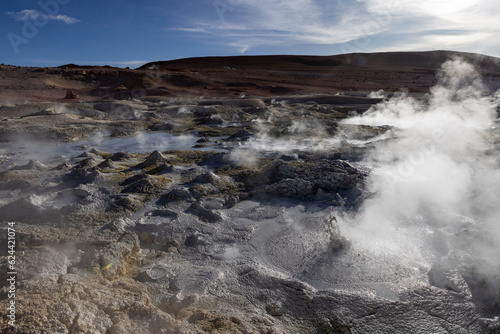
pixel 143 143
pixel 21 152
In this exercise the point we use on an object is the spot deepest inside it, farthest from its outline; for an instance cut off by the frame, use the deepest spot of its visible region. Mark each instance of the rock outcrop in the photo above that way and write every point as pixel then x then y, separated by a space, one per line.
pixel 71 95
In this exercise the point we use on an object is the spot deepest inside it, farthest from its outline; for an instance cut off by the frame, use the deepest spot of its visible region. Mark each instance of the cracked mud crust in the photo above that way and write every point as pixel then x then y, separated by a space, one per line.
pixel 173 214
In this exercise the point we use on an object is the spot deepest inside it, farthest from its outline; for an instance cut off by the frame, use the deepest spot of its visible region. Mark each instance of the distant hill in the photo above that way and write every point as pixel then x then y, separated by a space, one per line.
pixel 238 76
pixel 425 59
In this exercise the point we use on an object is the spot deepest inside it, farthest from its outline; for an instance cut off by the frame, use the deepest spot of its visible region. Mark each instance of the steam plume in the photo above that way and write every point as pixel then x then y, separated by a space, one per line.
pixel 437 172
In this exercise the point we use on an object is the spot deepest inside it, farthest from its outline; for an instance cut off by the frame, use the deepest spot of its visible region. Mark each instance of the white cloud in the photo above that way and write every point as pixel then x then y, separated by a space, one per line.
pixel 27 14
pixel 63 18
pixel 276 22
pixel 242 48
pixel 32 14
pixel 133 63
pixel 126 63
pixel 367 24
pixel 464 25
pixel 476 42
pixel 197 29
pixel 422 7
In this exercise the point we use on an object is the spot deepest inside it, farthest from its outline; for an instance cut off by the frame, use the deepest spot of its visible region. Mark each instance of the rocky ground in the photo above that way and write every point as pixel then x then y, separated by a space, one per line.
pixel 210 215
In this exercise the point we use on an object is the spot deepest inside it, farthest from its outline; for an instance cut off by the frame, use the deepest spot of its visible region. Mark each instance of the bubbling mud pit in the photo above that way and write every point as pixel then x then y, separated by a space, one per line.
pixel 252 216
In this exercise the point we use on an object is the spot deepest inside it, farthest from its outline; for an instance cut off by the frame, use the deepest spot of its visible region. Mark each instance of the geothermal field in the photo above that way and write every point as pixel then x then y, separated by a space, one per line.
pixel 283 194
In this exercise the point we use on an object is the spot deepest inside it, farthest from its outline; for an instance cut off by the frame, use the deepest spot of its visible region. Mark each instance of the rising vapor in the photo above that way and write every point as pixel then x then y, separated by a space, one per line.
pixel 435 184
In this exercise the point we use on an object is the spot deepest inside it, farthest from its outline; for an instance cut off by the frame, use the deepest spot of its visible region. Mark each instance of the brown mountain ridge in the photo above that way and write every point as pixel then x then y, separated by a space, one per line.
pixel 238 76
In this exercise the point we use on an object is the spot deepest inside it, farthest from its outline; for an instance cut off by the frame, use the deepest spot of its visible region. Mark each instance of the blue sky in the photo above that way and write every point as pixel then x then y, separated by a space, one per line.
pixel 130 33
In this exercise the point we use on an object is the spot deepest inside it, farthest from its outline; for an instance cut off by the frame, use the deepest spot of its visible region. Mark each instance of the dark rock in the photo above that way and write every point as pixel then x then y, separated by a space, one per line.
pixel 161 169
pixel 203 213
pixel 275 309
pixel 87 163
pixel 126 203
pixel 195 240
pixel 202 190
pixel 83 175
pixel 163 213
pixel 121 132
pixel 70 94
pixel 120 156
pixel 96 152
pixel 107 164
pixel 204 111
pixel 255 110
pixel 172 243
pixel 79 192
pixel 290 157
pixel 315 175
pixel 143 186
pixel 241 135
pixel 177 194
pixel 216 160
pixel 292 188
pixel 162 127
pixel 234 199
pixel 62 166
pixel 212 120
pixel 135 178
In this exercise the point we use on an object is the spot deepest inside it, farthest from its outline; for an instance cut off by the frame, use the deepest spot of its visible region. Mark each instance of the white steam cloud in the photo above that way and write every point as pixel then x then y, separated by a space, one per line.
pixel 300 135
pixel 380 94
pixel 438 173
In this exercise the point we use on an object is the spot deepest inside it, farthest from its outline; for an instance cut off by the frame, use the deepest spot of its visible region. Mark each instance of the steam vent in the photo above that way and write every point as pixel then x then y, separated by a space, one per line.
pixel 252 194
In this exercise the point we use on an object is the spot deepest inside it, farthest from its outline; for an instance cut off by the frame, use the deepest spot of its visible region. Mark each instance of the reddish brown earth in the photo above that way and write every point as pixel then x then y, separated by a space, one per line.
pixel 238 76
